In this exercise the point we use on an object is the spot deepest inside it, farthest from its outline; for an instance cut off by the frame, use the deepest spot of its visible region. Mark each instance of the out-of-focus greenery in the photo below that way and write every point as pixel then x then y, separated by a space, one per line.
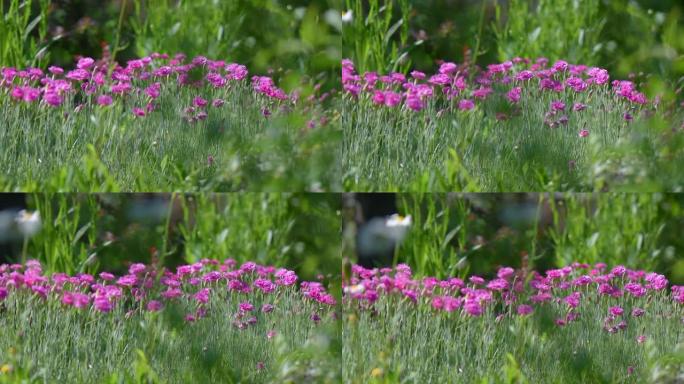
pixel 293 37
pixel 457 234
pixel 623 36
pixel 92 232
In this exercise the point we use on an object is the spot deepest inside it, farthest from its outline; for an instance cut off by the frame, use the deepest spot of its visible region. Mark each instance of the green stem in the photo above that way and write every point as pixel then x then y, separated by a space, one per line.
pixel 24 250
pixel 480 26
pixel 118 35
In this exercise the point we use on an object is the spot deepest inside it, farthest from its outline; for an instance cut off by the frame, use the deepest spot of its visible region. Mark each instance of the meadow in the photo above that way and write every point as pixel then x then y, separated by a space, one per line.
pixel 520 125
pixel 162 96
pixel 578 324
pixel 162 123
pixel 166 288
pixel 512 96
pixel 520 288
pixel 210 322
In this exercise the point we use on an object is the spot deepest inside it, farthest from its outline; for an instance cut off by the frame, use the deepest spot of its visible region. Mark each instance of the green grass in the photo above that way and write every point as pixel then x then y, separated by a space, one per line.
pixel 110 150
pixel 44 342
pixel 409 343
pixel 443 149
pixel 456 234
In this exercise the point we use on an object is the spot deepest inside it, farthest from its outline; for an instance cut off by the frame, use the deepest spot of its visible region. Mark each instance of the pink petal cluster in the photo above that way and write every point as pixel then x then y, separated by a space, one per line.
pixel 567 291
pixel 199 287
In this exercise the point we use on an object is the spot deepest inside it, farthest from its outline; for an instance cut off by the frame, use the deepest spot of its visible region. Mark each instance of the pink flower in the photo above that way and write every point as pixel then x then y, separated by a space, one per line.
pixel 557 105
pixel 437 302
pixel 477 280
pixel 172 293
pixel 466 105
pixel 560 66
pixel 52 98
pixel 641 339
pixel 85 63
pixel 104 100
pixel 473 308
pixel 136 268
pixel 418 75
pixel 392 98
pixel 524 75
pixel 265 285
pixel 3 293
pixel 579 107
pixel 246 306
pixel 573 300
pixel 102 304
pixel 505 272
pixel 138 112
pixel 217 103
pixel 78 75
pixel 616 311
pixel 56 70
pixel 203 295
pixel 598 75
pixel 584 133
pixel 482 93
pixel 199 102
pixel 271 334
pixel 514 94
pixel 447 68
pixel 498 284
pixel 525 309
pixel 267 308
pixel 154 306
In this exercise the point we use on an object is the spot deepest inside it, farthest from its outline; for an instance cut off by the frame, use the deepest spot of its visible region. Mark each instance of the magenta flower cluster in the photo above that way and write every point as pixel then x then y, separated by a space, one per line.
pixel 146 288
pixel 517 293
pixel 146 78
pixel 511 80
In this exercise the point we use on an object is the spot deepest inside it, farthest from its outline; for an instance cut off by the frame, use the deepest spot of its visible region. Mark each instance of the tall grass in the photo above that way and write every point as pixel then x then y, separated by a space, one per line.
pixel 375 36
pixel 250 143
pixel 24 32
pixel 544 29
pixel 227 336
pixel 400 329
pixel 499 145
pixel 84 233
pixel 457 234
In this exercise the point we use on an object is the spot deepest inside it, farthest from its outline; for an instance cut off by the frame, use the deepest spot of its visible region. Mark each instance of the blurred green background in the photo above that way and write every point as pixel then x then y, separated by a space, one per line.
pixel 95 232
pixel 295 40
pixel 458 234
pixel 623 36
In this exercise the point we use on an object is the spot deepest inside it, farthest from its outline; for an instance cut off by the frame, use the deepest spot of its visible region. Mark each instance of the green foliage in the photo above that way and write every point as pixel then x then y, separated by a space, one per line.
pixel 438 242
pixel 299 38
pixel 67 239
pixel 24 30
pixel 374 37
pixel 44 342
pixel 109 149
pixel 532 31
pixel 443 149
pixel 610 228
pixel 418 345
pixel 458 234
pixel 90 232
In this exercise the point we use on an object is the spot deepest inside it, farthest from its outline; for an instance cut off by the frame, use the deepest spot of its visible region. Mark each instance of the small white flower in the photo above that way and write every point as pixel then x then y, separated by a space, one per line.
pixel 382 234
pixel 347 16
pixel 397 220
pixel 354 289
pixel 28 222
